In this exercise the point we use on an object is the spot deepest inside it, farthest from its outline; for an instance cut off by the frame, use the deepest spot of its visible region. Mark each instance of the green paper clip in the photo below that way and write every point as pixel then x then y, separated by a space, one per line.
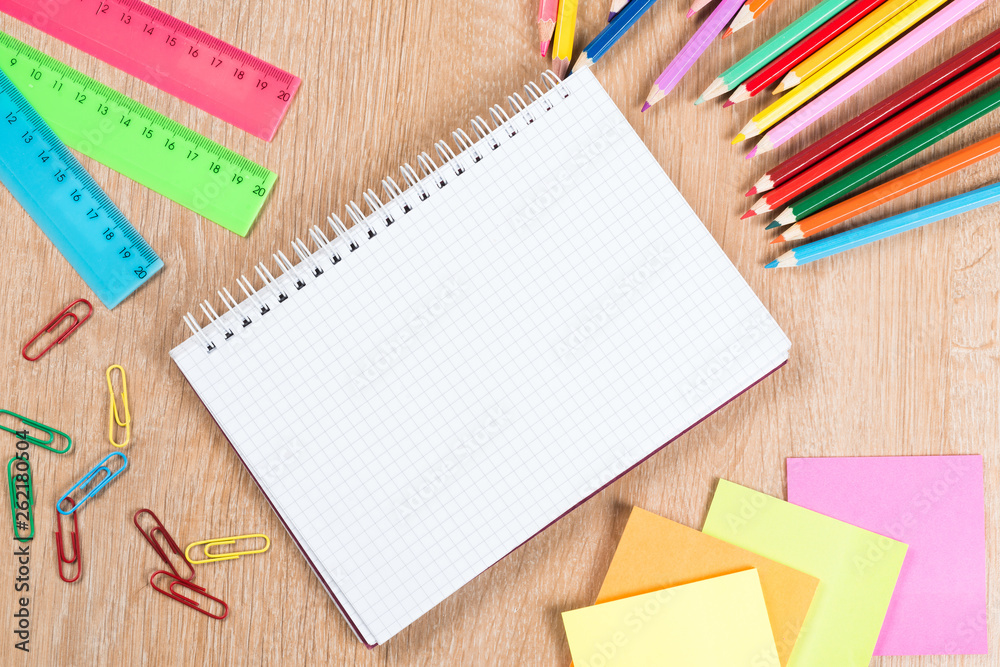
pixel 28 508
pixel 44 444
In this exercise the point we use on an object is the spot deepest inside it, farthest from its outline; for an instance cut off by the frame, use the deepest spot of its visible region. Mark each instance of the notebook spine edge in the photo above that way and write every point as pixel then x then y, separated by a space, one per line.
pixel 238 315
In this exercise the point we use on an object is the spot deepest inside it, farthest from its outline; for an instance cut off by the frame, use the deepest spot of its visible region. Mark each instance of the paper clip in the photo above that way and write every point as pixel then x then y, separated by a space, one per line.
pixel 26 506
pixel 114 417
pixel 64 314
pixel 75 541
pixel 171 593
pixel 44 444
pixel 92 476
pixel 150 536
pixel 229 555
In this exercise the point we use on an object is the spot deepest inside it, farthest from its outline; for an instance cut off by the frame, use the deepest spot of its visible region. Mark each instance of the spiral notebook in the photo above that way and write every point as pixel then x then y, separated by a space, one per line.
pixel 433 382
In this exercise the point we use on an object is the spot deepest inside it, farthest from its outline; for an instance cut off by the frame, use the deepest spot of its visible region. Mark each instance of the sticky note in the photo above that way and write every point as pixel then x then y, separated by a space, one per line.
pixel 857 570
pixel 719 622
pixel 933 503
pixel 656 553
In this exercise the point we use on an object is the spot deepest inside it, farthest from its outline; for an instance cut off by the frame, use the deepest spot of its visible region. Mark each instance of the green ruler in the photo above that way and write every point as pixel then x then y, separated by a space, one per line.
pixel 138 142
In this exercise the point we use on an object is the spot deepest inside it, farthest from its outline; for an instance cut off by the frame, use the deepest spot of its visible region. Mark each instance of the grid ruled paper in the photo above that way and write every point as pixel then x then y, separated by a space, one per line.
pixel 538 325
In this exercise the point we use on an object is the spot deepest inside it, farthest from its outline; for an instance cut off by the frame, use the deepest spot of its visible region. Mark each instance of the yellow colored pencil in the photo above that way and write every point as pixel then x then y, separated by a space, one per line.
pixel 843 64
pixel 562 43
pixel 841 43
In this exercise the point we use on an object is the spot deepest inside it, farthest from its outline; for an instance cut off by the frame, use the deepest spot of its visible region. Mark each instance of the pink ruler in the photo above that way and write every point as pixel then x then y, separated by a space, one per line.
pixel 170 54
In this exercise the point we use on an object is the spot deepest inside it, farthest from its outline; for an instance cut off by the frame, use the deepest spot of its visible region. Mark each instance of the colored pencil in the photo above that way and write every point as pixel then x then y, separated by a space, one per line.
pixel 616 6
pixel 774 47
pixel 562 42
pixel 877 113
pixel 829 30
pixel 893 189
pixel 841 44
pixel 689 54
pixel 843 64
pixel 838 188
pixel 612 32
pixel 897 224
pixel 747 15
pixel 697 6
pixel 867 143
pixel 865 74
pixel 547 10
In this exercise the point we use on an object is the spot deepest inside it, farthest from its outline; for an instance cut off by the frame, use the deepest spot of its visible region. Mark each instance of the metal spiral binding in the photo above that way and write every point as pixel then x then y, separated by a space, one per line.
pixel 344 240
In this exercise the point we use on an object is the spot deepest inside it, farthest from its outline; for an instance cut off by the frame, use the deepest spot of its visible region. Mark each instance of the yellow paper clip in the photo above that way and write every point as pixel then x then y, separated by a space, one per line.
pixel 114 417
pixel 229 555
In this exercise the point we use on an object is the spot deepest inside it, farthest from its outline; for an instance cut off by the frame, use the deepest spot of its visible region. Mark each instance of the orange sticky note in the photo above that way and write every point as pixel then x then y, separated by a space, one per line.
pixel 656 553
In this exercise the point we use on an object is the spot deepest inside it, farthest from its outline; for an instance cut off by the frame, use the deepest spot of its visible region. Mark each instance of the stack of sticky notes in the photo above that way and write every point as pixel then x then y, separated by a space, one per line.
pixel 871 556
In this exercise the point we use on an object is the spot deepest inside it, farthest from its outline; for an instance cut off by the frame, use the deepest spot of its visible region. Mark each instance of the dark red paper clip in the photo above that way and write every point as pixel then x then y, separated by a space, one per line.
pixel 171 593
pixel 151 538
pixel 76 547
pixel 64 314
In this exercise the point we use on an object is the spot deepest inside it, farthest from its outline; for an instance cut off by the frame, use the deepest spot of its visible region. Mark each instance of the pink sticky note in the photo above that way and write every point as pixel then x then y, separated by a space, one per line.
pixel 935 504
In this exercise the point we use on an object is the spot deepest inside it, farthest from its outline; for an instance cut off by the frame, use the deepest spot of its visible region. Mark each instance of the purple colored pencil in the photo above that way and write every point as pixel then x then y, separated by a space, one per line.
pixel 695 46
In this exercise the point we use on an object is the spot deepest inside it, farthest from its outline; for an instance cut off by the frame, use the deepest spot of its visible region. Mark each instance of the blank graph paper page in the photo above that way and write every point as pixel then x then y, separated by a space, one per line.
pixel 533 328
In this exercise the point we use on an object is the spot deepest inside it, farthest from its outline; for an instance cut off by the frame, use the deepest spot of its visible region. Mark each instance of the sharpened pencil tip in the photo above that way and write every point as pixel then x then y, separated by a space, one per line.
pixel 727 104
pixel 646 105
pixel 773 224
pixel 749 214
pixel 753 152
pixel 751 192
pixel 691 13
pixel 611 15
pixel 700 99
pixel 739 138
pixel 771 265
pixel 727 33
pixel 545 48
pixel 779 239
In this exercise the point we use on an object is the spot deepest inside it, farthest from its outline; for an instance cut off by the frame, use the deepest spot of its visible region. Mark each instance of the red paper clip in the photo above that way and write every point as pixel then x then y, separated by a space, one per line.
pixel 64 314
pixel 151 538
pixel 76 547
pixel 171 593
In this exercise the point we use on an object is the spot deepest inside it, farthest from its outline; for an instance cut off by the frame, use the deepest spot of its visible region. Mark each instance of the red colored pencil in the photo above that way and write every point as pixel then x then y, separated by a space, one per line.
pixel 864 145
pixel 793 56
pixel 858 125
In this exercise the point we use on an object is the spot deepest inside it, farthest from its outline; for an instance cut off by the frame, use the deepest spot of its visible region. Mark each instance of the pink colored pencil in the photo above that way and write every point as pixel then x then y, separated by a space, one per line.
pixel 687 56
pixel 861 77
pixel 547 10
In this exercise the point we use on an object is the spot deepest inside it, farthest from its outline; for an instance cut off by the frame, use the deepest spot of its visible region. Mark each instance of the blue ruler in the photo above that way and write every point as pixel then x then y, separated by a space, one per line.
pixel 73 211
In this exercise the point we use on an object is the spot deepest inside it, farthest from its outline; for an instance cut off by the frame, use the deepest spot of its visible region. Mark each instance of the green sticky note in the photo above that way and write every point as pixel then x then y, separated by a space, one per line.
pixel 717 622
pixel 857 570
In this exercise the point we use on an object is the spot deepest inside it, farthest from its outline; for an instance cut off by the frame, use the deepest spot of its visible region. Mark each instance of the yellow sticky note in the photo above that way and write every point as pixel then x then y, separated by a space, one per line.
pixel 656 553
pixel 719 622
pixel 857 570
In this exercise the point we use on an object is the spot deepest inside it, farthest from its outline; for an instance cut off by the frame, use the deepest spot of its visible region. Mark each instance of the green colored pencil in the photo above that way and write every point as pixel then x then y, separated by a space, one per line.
pixel 773 48
pixel 838 188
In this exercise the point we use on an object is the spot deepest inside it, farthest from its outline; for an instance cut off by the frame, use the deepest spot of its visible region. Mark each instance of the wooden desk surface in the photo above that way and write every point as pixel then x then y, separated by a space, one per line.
pixel 895 350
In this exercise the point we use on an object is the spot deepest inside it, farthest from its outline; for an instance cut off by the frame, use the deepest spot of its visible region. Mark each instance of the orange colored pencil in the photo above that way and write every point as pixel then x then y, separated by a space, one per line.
pixel 890 190
pixel 747 14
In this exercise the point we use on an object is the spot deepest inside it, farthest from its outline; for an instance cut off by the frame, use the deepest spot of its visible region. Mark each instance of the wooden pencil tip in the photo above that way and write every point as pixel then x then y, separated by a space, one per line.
pixel 739 138
pixel 777 239
pixel 727 33
pixel 752 153
pixel 779 89
pixel 699 100
pixel 645 106
pixel 545 47
pixel 749 214
pixel 582 63
pixel 773 225
pixel 751 192
pixel 771 265
pixel 611 15
pixel 560 66
pixel 728 103
pixel 691 12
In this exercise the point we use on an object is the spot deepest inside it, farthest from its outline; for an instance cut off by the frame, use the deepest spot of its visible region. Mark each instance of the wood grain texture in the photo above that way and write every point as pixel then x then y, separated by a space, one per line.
pixel 895 346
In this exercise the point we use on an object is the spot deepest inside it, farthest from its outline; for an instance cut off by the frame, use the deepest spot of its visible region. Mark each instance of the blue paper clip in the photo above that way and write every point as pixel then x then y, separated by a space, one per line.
pixel 90 477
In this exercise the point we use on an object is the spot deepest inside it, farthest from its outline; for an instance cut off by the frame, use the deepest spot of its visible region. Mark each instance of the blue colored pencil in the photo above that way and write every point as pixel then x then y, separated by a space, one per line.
pixel 612 32
pixel 891 226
